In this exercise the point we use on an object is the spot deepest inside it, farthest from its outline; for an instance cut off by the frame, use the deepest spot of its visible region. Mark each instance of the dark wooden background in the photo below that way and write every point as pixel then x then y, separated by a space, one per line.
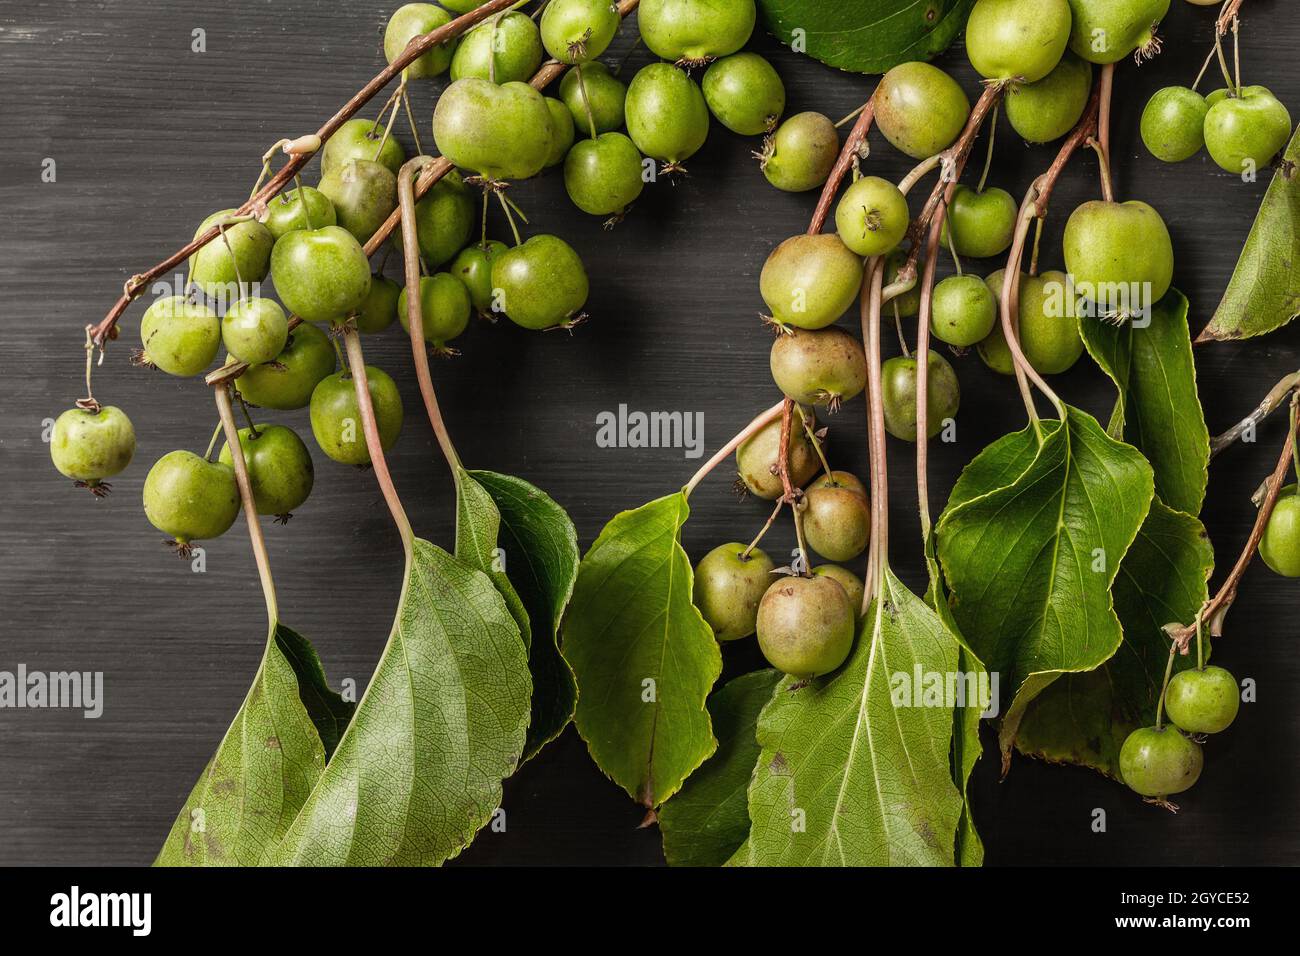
pixel 149 138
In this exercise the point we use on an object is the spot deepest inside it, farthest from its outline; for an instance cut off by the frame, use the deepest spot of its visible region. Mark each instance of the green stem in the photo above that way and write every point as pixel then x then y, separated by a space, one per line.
pixel 988 158
pixel 1169 670
pixel 586 102
pixel 302 201
pixel 767 526
pixel 510 218
pixel 212 444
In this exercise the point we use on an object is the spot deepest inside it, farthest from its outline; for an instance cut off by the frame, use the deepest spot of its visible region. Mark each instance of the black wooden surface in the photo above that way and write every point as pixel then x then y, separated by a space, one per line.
pixel 149 137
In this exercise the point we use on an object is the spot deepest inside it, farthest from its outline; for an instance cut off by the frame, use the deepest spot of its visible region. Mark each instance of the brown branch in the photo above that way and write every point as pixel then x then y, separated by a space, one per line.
pixel 951 162
pixel 783 454
pixel 1274 400
pixel 106 329
pixel 848 154
pixel 1218 605
pixel 1230 12
pixel 414 50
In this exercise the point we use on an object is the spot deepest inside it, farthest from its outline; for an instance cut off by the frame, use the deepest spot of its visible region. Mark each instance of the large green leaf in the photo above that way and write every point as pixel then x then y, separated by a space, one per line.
pixel 1264 293
pixel 541 548
pixel 1158 410
pixel 644 658
pixel 419 769
pixel 265 766
pixel 1030 542
pixel 708 820
pixel 849 777
pixel 866 36
pixel 1084 718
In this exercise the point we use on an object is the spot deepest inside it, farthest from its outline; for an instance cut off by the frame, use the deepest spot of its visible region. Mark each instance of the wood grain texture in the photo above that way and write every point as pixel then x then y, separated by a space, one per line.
pixel 149 138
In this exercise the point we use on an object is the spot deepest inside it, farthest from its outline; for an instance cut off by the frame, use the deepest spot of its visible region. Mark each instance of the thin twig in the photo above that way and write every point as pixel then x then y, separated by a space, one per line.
pixel 849 153
pixel 1274 400
pixel 1217 607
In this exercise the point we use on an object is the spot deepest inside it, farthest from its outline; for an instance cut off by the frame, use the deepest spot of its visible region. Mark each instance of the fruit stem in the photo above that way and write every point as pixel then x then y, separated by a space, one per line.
pixel 410 116
pixel 1103 169
pixel 870 309
pixel 510 218
pixel 302 202
pixel 89 403
pixel 852 116
pixel 1218 606
pixel 1236 54
pixel 586 103
pixel 1105 94
pixel 299 159
pixel 848 154
pixel 391 107
pixel 758 424
pixel 898 330
pixel 1277 395
pixel 361 382
pixel 222 394
pixel 212 443
pixel 1223 63
pixel 763 531
pixel 415 311
pixel 1033 255
pixel 1169 670
pixel 1209 58
pixel 248 417
pixel 818 447
pixel 988 157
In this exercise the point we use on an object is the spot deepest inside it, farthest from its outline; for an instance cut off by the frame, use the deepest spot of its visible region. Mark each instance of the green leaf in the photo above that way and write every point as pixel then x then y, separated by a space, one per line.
pixel 1030 542
pixel 867 36
pixel 418 771
pixel 1084 718
pixel 1158 410
pixel 1264 293
pixel 645 659
pixel 706 823
pixel 846 777
pixel 478 526
pixel 541 548
pixel 265 766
